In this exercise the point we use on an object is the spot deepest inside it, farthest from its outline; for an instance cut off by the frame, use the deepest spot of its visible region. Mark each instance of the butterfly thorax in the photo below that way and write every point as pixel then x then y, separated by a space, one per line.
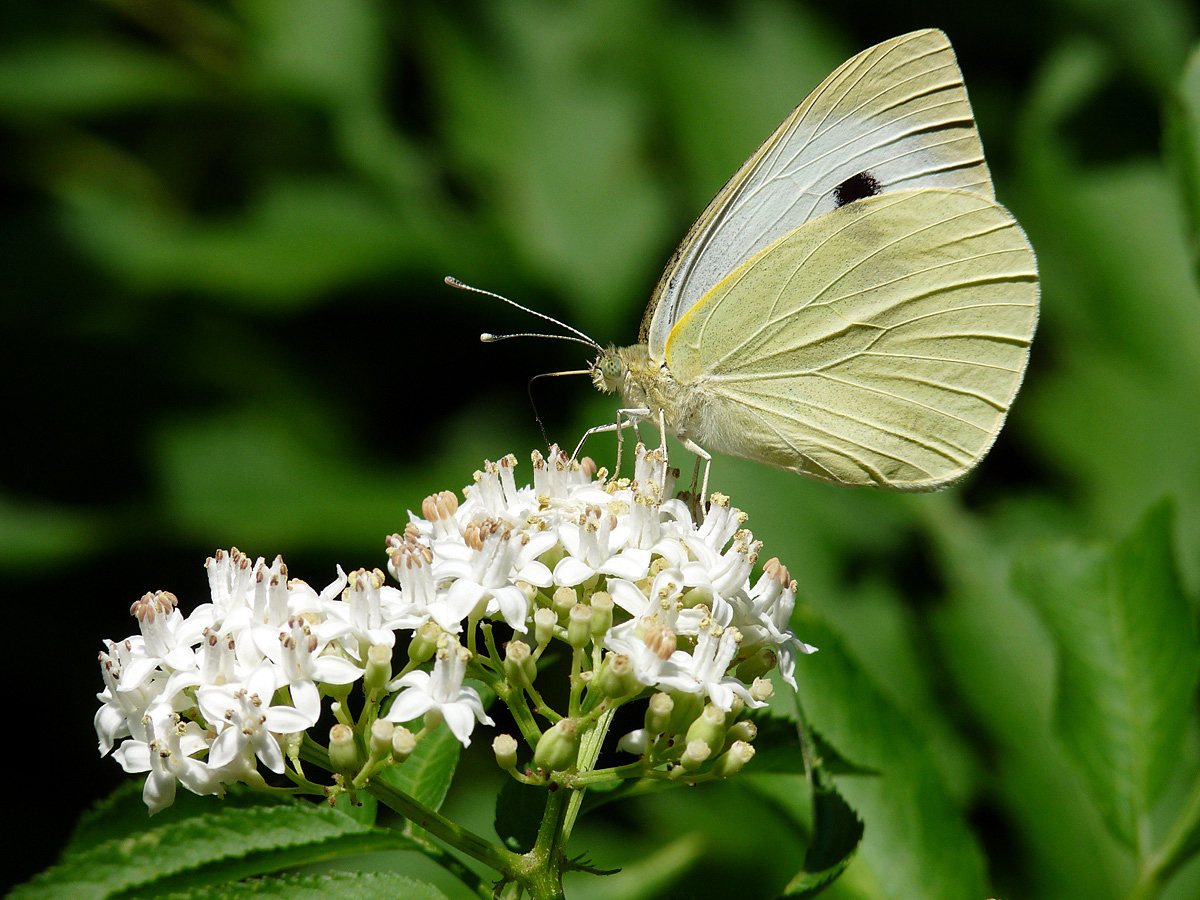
pixel 645 384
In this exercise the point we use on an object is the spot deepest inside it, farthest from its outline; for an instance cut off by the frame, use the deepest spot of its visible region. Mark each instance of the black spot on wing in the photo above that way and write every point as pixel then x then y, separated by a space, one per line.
pixel 856 187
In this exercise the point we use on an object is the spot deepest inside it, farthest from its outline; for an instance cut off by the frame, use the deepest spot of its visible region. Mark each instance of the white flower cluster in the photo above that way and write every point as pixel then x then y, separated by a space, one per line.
pixel 202 699
pixel 690 610
pixel 224 680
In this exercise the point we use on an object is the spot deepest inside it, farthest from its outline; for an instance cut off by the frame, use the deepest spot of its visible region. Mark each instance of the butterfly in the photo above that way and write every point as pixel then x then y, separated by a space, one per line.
pixel 853 305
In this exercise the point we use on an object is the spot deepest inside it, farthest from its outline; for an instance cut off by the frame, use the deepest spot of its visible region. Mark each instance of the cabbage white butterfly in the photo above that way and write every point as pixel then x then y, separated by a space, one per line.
pixel 853 305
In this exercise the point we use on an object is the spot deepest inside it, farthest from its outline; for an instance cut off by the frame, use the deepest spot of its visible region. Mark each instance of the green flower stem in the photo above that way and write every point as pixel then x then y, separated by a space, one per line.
pixel 503 861
pixel 589 752
pixel 574 780
pixel 514 699
pixel 494 654
pixel 576 681
pixel 542 707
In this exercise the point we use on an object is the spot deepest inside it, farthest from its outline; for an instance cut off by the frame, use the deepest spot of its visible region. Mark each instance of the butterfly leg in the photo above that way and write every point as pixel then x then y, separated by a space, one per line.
pixel 701 454
pixel 632 417
pixel 618 426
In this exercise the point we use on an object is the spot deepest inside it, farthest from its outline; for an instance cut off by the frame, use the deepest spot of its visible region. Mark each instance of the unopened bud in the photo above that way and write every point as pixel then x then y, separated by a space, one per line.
pixel 519 667
pixel 757 665
pixel 693 597
pixel 616 678
pixel 378 671
pixel 735 709
pixel 658 713
pixel 433 718
pixel 564 598
pixel 505 748
pixel 732 761
pixel 558 746
pixel 762 690
pixel 687 707
pixel 695 754
pixel 635 742
pixel 544 621
pixel 403 743
pixel 343 755
pixel 380 744
pixel 709 727
pixel 602 614
pixel 745 730
pixel 424 642
pixel 579 626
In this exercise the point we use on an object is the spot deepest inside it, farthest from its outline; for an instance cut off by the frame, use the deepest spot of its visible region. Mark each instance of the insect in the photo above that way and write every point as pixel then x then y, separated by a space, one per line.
pixel 853 305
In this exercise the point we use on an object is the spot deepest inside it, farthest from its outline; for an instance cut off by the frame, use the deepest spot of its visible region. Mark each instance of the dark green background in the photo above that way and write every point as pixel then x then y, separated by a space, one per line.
pixel 225 227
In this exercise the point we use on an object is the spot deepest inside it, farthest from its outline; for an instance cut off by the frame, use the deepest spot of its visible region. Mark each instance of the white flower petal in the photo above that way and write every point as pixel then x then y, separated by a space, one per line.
pixel 571 571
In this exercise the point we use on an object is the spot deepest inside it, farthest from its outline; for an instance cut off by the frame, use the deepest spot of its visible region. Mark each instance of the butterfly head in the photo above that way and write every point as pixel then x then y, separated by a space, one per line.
pixel 608 371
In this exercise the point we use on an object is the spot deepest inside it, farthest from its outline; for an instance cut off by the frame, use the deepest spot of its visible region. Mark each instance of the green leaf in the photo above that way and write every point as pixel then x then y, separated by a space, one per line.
pixel 1183 143
pixel 342 885
pixel 90 77
pixel 519 809
pixel 123 813
pixel 426 774
pixel 1129 662
pixel 917 842
pixel 648 877
pixel 837 832
pixel 225 845
pixel 777 749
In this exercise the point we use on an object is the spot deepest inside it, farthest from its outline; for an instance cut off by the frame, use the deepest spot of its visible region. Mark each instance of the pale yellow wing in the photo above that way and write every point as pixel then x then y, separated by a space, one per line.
pixel 880 344
pixel 894 117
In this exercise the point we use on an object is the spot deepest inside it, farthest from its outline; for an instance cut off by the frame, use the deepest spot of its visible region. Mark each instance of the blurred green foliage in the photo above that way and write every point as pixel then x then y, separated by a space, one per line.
pixel 225 229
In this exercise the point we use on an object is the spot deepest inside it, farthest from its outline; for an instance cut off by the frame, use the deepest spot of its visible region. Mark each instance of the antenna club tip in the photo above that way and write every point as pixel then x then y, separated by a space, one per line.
pixel 487 337
pixel 453 282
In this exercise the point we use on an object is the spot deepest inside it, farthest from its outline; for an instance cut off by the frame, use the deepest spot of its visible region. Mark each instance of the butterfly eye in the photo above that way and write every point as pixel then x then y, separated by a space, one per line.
pixel 611 368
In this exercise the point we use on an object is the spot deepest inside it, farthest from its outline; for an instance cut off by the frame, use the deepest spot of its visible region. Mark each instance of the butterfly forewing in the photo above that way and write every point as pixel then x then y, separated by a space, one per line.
pixel 894 117
pixel 880 344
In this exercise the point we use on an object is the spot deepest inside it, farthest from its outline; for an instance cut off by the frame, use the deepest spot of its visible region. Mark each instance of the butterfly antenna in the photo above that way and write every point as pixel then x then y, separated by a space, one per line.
pixel 491 338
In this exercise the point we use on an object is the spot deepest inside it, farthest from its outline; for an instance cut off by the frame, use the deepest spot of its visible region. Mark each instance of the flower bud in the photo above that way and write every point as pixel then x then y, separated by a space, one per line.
pixel 564 598
pixel 762 690
pixel 734 759
pixel 757 665
pixel 579 626
pixel 616 679
pixel 557 748
pixel 433 718
pixel 709 727
pixel 695 754
pixel 378 671
pixel 343 755
pixel 403 743
pixel 693 597
pixel 380 744
pixel 544 621
pixel 658 713
pixel 424 642
pixel 602 614
pixel 735 709
pixel 745 730
pixel 635 742
pixel 505 748
pixel 519 667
